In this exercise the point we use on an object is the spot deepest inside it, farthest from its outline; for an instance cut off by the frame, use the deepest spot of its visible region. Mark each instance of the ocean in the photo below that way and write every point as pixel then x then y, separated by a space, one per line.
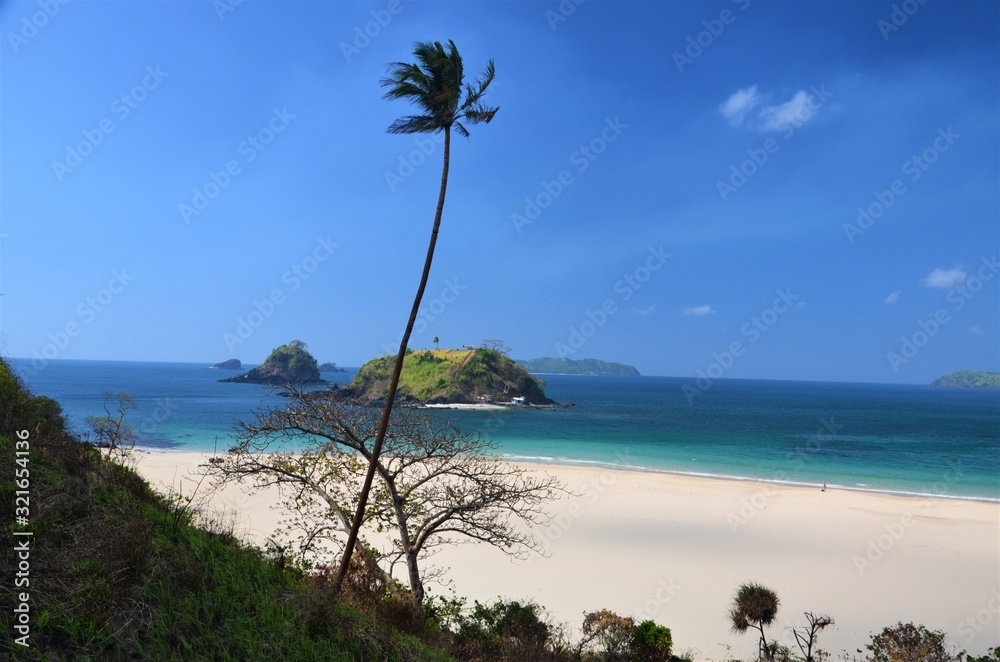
pixel 894 438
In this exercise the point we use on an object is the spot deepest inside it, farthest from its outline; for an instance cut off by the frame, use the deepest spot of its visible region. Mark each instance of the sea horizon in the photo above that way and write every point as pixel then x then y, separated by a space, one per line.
pixel 902 439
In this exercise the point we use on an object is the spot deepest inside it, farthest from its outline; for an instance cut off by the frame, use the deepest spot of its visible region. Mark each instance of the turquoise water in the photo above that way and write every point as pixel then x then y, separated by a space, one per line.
pixel 899 438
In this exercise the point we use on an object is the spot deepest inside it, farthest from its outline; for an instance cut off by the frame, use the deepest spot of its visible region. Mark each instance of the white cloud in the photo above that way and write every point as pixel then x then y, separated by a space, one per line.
pixel 698 310
pixel 892 298
pixel 796 112
pixel 739 104
pixel 976 330
pixel 945 279
pixel 645 311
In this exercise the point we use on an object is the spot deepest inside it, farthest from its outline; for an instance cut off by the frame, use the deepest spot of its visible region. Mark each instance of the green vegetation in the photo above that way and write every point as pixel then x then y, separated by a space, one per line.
pixel 564 366
pixel 969 379
pixel 120 572
pixel 755 607
pixel 288 364
pixel 450 376
pixel 117 571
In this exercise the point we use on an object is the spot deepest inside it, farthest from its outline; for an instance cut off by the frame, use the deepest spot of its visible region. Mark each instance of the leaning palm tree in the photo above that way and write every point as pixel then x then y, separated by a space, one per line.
pixel 754 607
pixel 435 84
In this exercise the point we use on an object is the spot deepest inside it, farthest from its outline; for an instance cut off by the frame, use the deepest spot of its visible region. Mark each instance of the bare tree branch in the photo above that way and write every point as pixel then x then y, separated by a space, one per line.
pixel 437 485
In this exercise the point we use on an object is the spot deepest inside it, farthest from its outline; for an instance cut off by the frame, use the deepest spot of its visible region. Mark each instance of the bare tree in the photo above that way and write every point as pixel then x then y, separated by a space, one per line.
pixel 110 430
pixel 496 345
pixel 437 484
pixel 806 636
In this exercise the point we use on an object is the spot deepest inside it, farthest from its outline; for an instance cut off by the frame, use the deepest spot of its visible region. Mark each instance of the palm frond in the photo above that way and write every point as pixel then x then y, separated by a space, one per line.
pixel 415 124
pixel 435 84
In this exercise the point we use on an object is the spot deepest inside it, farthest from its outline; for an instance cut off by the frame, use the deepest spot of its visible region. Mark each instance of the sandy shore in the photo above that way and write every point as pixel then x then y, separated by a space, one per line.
pixel 675 549
pixel 481 407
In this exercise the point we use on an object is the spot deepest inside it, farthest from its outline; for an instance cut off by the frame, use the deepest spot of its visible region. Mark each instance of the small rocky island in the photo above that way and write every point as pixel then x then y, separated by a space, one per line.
pixel 289 364
pixel 969 379
pixel 231 364
pixel 564 366
pixel 450 376
pixel 329 366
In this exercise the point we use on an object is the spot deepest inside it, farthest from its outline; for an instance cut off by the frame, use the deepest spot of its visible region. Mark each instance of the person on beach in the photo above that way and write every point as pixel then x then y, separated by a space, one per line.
pixel 824 486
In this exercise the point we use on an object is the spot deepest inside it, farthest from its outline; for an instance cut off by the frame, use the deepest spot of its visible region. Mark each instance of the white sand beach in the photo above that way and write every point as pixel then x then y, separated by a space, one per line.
pixel 675 548
pixel 473 406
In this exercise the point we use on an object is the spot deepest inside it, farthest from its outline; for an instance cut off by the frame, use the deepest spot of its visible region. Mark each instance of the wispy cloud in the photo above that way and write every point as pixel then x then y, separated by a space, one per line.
pixel 739 104
pixel 796 112
pixel 698 310
pixel 945 279
pixel 742 107
pixel 976 330
pixel 892 298
pixel 644 311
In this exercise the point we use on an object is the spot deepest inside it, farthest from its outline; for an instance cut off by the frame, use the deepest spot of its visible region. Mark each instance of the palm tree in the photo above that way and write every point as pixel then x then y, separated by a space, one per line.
pixel 435 85
pixel 436 341
pixel 755 606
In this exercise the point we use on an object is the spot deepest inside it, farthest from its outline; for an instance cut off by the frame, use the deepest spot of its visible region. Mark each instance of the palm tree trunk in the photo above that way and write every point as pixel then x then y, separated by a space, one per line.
pixel 352 537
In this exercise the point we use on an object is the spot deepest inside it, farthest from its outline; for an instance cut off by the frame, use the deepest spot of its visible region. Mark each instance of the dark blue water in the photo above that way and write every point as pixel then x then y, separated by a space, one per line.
pixel 867 436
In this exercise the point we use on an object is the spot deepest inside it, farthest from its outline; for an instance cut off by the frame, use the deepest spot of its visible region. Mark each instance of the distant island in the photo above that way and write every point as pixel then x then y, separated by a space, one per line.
pixel 288 364
pixel 231 364
pixel 969 379
pixel 451 376
pixel 552 366
pixel 330 367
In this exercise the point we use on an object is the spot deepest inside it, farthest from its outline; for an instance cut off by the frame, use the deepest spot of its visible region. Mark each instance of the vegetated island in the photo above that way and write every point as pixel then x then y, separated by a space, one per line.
pixel 969 379
pixel 288 364
pixel 564 366
pixel 329 366
pixel 451 377
pixel 231 364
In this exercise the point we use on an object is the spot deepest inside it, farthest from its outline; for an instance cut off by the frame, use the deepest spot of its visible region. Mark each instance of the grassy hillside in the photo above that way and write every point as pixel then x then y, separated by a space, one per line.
pixel 119 572
pixel 450 375
pixel 969 379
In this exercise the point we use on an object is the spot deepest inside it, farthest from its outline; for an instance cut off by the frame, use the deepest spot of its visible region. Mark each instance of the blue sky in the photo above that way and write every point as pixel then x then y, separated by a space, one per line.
pixel 779 190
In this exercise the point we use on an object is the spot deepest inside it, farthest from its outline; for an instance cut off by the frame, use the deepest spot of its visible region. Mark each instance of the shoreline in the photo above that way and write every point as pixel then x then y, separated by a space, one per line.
pixel 673 548
pixel 571 463
pixel 909 494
